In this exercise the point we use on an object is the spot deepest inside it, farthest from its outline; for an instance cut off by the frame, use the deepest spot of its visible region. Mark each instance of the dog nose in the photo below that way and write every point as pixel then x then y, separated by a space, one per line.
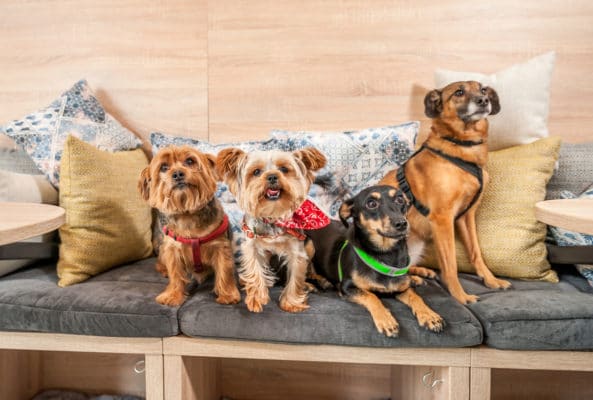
pixel 401 225
pixel 178 175
pixel 482 101
pixel 272 178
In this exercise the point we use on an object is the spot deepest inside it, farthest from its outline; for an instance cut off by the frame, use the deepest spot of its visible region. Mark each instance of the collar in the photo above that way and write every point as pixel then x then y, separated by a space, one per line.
pixel 307 217
pixel 196 242
pixel 464 143
pixel 373 263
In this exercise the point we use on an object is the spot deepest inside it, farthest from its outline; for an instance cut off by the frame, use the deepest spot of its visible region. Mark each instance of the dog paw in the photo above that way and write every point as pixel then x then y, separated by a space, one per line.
pixel 172 299
pixel 253 304
pixel 229 298
pixel 387 325
pixel 293 308
pixel 310 288
pixel 465 298
pixel 423 272
pixel 431 320
pixel 417 281
pixel 496 283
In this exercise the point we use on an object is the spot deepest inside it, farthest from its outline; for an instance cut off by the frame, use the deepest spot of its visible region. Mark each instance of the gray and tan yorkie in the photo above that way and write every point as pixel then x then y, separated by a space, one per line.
pixel 181 183
pixel 271 188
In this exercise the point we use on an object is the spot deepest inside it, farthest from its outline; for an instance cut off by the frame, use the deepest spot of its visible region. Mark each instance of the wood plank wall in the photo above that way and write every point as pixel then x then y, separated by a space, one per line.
pixel 232 70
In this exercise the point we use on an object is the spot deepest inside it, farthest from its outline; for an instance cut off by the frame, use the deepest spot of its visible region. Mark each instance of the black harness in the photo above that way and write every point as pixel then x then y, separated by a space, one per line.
pixel 467 166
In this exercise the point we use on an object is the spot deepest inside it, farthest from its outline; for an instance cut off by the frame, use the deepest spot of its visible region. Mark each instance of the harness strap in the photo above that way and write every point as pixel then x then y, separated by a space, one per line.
pixel 195 243
pixel 464 143
pixel 471 168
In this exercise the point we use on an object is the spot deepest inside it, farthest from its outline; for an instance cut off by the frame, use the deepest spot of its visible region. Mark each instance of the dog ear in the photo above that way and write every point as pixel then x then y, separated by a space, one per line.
pixel 433 104
pixel 493 97
pixel 227 162
pixel 210 162
pixel 345 211
pixel 144 183
pixel 312 158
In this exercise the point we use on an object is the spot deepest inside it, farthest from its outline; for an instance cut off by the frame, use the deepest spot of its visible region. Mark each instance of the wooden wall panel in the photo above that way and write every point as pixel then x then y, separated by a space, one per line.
pixel 352 64
pixel 233 70
pixel 147 60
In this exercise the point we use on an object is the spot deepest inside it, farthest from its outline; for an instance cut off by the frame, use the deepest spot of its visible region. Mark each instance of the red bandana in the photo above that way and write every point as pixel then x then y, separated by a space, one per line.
pixel 307 217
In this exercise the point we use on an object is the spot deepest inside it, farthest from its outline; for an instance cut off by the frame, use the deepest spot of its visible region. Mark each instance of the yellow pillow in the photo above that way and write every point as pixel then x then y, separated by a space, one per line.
pixel 512 240
pixel 107 223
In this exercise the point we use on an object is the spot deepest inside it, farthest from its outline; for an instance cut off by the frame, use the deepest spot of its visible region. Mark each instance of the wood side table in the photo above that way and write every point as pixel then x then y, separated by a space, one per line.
pixel 572 214
pixel 19 221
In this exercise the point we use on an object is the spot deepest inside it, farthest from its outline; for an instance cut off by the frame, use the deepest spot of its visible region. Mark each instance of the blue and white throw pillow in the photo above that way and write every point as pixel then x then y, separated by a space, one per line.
pixel 229 204
pixel 564 237
pixel 76 112
pixel 356 159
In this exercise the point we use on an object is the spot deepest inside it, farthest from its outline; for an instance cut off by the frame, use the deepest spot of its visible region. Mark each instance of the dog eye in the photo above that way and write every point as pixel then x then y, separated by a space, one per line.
pixel 164 167
pixel 372 204
pixel 189 162
pixel 284 170
pixel 459 93
pixel 399 200
pixel 257 172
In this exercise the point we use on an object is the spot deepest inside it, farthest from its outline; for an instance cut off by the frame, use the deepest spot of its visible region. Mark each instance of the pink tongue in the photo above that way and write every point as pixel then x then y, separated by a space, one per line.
pixel 272 192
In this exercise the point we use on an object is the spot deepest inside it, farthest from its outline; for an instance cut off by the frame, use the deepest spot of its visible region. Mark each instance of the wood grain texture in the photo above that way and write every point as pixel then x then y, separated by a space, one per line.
pixel 545 360
pixel 540 385
pixel 79 343
pixel 271 380
pixel 204 347
pixel 353 64
pixel 20 374
pixel 146 60
pixel 571 214
pixel 93 373
pixel 430 383
pixel 228 70
pixel 154 377
pixel 19 221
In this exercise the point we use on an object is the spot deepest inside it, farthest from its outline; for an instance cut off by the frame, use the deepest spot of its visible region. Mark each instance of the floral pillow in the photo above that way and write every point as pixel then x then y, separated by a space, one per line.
pixel 564 237
pixel 356 159
pixel 76 112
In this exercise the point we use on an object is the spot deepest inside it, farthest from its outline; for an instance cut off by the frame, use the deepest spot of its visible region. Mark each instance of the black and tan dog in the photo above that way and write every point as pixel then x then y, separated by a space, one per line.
pixel 445 179
pixel 371 255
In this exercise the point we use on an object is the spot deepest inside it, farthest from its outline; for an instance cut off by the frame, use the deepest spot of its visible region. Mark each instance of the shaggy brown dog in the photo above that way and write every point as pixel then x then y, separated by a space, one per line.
pixel 271 187
pixel 444 180
pixel 181 182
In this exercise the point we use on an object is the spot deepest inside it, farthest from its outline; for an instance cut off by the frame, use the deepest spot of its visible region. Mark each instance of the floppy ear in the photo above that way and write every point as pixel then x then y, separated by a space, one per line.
pixel 312 158
pixel 228 161
pixel 433 104
pixel 210 161
pixel 345 211
pixel 144 183
pixel 493 97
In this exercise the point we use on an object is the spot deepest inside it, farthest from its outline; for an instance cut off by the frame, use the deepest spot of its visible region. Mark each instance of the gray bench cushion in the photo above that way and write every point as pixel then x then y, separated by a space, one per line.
pixel 536 315
pixel 329 320
pixel 119 302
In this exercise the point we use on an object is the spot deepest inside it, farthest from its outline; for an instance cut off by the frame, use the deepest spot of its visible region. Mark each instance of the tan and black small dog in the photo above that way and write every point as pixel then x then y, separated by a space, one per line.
pixel 444 180
pixel 371 255
pixel 181 183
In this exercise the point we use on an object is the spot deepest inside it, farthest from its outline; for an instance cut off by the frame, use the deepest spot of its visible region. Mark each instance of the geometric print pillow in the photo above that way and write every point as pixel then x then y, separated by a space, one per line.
pixel 355 159
pixel 76 112
pixel 564 237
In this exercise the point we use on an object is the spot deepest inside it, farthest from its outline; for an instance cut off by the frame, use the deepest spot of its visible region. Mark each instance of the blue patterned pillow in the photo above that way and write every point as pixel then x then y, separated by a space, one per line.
pixel 76 112
pixel 356 159
pixel 159 141
pixel 564 237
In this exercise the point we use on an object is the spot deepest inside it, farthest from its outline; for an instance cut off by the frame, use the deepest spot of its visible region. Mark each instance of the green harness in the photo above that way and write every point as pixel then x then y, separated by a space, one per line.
pixel 372 263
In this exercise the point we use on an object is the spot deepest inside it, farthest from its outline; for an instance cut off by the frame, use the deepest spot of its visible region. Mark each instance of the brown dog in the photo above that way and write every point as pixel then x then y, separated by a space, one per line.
pixel 444 179
pixel 181 183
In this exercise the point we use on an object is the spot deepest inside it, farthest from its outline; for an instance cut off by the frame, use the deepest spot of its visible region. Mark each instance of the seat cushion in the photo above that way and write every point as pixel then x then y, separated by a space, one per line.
pixel 329 320
pixel 535 315
pixel 119 302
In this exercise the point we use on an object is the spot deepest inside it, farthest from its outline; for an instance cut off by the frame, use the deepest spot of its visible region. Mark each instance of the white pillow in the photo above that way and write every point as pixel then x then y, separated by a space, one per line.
pixel 524 92
pixel 29 189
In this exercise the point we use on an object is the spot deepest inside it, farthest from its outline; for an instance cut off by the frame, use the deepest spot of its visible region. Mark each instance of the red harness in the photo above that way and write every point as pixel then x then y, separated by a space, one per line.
pixel 196 242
